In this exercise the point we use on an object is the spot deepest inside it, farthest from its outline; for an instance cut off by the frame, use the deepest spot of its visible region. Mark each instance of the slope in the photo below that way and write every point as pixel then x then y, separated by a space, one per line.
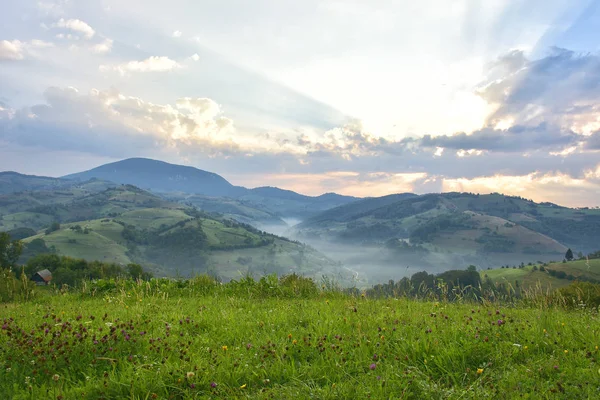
pixel 125 224
pixel 458 228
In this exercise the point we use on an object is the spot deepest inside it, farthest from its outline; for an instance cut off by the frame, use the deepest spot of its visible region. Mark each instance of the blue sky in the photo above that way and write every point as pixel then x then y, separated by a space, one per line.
pixel 361 98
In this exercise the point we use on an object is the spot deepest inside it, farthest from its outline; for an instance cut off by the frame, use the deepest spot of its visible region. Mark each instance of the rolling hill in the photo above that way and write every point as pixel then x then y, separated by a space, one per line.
pixel 124 224
pixel 546 276
pixel 456 229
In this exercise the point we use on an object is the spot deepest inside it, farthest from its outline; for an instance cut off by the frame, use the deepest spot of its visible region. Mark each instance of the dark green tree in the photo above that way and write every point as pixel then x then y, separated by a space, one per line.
pixel 10 251
pixel 569 255
pixel 53 228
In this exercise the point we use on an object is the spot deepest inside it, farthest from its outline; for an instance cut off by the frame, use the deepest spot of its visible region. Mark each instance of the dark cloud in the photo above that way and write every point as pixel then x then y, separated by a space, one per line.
pixel 554 89
pixel 593 141
pixel 515 139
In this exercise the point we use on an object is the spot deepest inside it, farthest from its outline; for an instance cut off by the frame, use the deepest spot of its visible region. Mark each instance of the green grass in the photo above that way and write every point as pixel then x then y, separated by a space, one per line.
pixel 231 341
pixel 590 268
pixel 153 218
pixel 528 277
pixel 91 246
pixel 24 220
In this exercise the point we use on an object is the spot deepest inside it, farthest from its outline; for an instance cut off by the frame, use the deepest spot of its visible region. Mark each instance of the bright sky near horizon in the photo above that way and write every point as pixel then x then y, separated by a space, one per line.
pixel 360 98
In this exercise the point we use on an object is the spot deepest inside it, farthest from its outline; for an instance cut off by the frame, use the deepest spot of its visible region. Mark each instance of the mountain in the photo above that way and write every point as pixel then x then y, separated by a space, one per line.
pixel 126 224
pixel 434 230
pixel 11 182
pixel 159 176
pixel 183 181
pixel 357 209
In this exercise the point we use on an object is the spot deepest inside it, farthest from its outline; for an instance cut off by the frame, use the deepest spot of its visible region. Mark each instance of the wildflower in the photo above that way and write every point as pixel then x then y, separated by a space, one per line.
pixel 192 386
pixel 213 385
pixel 479 371
pixel 189 375
pixel 372 366
pixel 382 337
pixel 243 386
pixel 224 348
pixel 525 348
pixel 294 341
pixel 566 351
pixel 55 377
pixel 290 336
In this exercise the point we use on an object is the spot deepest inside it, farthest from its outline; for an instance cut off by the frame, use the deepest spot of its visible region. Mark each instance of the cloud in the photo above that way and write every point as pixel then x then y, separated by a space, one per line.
pixel 17 50
pixel 593 142
pixel 108 123
pixel 554 187
pixel 195 57
pixel 151 64
pixel 11 51
pixel 560 89
pixel 514 139
pixel 75 25
pixel 103 47
pixel 177 34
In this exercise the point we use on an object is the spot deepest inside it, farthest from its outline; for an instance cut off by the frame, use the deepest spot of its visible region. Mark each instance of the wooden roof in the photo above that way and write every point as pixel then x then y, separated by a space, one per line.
pixel 45 274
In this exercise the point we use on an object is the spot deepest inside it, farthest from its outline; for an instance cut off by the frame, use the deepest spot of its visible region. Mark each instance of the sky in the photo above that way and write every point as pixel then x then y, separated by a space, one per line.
pixel 354 97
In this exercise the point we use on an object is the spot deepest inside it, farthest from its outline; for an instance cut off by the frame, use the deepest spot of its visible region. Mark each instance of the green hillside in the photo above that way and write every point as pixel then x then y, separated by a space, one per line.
pixel 124 224
pixel 547 275
pixel 463 228
pixel 170 242
pixel 243 211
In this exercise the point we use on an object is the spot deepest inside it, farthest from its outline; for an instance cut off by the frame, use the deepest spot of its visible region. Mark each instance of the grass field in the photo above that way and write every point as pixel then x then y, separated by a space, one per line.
pixel 256 340
pixel 529 276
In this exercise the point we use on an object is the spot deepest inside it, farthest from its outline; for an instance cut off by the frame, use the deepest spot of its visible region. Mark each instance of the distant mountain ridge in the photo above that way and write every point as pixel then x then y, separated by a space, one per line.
pixel 160 176
pixel 11 181
pixel 163 177
pixel 491 223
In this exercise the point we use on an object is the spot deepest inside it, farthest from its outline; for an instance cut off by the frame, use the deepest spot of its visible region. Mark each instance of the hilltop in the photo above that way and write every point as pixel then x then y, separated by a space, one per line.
pixel 185 183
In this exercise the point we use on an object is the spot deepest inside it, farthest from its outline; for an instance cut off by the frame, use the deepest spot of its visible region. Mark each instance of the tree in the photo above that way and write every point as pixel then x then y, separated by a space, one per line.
pixel 10 251
pixel 569 255
pixel 53 228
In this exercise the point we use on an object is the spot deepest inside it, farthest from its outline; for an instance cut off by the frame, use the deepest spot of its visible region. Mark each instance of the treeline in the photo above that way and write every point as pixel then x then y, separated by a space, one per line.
pixel 448 285
pixel 71 271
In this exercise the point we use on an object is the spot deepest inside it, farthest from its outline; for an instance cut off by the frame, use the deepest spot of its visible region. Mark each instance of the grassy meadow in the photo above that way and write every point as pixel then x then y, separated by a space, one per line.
pixel 289 338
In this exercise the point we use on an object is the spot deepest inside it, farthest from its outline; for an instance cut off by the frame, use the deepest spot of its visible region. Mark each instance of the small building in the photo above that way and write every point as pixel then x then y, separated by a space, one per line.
pixel 42 277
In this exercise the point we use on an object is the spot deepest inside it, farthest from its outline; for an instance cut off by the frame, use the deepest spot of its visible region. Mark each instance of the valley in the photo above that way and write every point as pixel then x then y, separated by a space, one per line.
pixel 180 221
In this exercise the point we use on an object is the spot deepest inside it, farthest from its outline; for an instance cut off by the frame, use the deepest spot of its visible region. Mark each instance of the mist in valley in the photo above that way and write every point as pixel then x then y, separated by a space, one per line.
pixel 369 264
pixel 366 265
